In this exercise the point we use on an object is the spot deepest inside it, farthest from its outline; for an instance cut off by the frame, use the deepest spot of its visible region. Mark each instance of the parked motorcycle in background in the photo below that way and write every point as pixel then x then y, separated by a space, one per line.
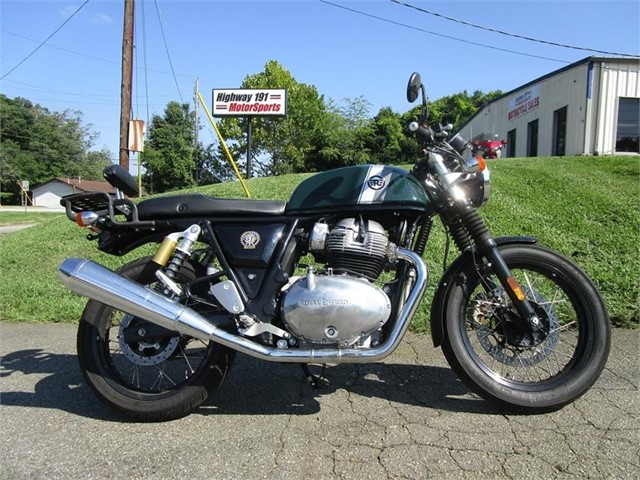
pixel 334 275
pixel 488 147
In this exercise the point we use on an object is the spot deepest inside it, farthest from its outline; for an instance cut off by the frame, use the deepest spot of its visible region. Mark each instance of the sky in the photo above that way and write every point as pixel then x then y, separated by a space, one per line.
pixel 347 49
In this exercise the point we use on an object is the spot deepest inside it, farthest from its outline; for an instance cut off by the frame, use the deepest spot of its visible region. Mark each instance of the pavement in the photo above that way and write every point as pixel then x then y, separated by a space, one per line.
pixel 408 417
pixel 30 209
pixel 4 229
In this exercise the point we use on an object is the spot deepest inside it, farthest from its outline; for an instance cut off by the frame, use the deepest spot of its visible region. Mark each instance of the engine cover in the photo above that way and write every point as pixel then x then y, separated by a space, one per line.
pixel 331 309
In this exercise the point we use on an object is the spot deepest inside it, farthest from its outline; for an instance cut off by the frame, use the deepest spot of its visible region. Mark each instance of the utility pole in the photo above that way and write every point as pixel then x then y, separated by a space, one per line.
pixel 195 131
pixel 127 78
pixel 195 109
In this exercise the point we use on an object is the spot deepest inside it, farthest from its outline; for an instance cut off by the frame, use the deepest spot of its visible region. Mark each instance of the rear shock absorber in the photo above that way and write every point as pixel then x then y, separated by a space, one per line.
pixel 171 256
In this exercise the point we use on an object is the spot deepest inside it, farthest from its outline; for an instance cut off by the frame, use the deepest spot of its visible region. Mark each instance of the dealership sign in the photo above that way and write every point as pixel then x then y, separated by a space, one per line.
pixel 245 102
pixel 526 102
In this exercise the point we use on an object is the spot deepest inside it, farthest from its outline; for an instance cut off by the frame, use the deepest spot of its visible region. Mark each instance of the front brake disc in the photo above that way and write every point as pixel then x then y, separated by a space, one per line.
pixel 503 343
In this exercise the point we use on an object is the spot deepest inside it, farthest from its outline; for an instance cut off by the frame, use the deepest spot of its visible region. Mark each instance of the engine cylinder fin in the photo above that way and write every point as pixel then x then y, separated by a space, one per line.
pixel 357 247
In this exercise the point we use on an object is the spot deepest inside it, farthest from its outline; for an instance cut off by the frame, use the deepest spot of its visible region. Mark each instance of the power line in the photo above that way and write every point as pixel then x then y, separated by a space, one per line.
pixel 13 34
pixel 146 70
pixel 164 38
pixel 45 40
pixel 449 37
pixel 514 35
pixel 97 96
pixel 93 96
pixel 74 52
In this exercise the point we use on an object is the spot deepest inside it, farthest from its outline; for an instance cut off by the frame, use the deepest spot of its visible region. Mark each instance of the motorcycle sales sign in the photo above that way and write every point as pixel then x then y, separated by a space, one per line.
pixel 244 102
pixel 525 102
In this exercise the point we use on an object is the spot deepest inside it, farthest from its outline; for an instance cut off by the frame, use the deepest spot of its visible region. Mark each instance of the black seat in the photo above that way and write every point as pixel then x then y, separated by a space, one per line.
pixel 198 205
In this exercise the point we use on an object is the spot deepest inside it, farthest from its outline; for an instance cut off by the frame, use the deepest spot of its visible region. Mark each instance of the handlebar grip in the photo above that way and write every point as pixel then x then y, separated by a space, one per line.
pixel 423 133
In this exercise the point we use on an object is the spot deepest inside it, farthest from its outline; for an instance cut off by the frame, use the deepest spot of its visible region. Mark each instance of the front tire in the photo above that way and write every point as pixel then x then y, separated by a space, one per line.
pixel 162 379
pixel 499 360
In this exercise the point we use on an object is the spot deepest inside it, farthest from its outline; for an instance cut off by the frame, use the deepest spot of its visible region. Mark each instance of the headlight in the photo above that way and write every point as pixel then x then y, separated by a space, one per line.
pixel 484 187
pixel 477 187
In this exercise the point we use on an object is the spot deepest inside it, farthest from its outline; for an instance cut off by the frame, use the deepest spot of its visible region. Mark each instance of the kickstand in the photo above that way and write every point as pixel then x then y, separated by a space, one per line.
pixel 314 380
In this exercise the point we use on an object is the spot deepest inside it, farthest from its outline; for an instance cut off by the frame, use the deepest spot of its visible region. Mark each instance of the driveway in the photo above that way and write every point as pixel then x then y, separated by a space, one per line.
pixel 408 417
pixel 4 229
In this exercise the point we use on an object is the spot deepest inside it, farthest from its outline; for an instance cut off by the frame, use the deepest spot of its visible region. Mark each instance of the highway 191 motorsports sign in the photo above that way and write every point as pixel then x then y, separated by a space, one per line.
pixel 244 102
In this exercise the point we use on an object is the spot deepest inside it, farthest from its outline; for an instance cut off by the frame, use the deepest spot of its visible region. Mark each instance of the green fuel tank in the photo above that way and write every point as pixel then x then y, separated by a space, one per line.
pixel 359 188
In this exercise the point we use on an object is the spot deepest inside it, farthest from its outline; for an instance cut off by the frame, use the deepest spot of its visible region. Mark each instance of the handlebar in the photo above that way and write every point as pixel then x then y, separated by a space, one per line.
pixel 424 133
pixel 428 135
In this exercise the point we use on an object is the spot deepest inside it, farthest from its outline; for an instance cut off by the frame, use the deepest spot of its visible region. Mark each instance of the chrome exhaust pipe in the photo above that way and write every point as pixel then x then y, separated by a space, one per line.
pixel 94 281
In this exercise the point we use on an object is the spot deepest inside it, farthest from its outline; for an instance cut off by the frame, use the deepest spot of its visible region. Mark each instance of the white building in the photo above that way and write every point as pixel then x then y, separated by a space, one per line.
pixel 591 107
pixel 49 194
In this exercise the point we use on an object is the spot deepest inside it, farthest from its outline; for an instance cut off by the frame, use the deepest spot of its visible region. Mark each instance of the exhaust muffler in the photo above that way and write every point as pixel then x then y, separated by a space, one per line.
pixel 94 281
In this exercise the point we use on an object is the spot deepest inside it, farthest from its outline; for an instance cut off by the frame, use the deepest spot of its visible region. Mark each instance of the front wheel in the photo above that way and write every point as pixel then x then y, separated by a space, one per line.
pixel 499 359
pixel 161 377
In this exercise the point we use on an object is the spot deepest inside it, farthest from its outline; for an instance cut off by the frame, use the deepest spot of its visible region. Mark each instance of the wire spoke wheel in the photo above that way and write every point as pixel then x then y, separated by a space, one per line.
pixel 507 351
pixel 143 370
pixel 151 366
pixel 500 358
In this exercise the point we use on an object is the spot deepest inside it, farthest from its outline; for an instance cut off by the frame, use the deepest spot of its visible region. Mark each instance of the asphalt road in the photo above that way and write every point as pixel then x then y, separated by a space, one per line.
pixel 406 418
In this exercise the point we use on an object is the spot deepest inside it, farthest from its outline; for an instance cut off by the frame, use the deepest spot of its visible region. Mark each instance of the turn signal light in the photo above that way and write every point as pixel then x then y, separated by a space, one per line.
pixel 86 219
pixel 515 288
pixel 482 164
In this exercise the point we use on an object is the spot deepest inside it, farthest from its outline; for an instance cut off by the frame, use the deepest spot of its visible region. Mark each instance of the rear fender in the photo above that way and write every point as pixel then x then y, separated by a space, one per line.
pixel 122 242
pixel 444 288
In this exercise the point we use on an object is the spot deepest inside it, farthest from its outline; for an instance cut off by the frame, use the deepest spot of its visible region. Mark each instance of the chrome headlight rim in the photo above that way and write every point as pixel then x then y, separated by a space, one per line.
pixel 478 187
pixel 486 185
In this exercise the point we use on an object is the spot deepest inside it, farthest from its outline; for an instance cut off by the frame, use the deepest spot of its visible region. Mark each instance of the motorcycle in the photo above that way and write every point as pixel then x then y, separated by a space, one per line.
pixel 335 275
pixel 487 148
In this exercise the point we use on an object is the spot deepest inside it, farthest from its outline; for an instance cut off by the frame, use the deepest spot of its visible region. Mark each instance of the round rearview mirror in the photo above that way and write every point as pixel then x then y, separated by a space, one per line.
pixel 413 87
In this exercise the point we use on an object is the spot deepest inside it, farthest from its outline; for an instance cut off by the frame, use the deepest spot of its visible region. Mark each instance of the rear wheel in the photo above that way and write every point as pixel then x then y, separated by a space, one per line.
pixel 143 370
pixel 502 361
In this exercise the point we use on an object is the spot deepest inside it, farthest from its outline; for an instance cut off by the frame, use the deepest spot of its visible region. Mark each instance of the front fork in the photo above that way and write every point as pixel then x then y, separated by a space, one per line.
pixel 473 226
pixel 510 284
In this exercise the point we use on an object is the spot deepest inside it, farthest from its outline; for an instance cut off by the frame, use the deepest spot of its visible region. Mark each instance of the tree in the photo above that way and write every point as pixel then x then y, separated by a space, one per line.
pixel 169 157
pixel 459 107
pixel 211 166
pixel 279 144
pixel 344 136
pixel 38 145
pixel 389 141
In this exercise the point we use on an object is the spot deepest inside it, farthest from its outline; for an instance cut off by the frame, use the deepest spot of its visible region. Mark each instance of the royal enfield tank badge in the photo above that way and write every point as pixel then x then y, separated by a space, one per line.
pixel 250 240
pixel 376 182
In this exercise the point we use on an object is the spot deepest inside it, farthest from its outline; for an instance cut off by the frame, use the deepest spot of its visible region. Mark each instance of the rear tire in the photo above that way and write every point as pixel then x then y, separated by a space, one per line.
pixel 498 361
pixel 155 381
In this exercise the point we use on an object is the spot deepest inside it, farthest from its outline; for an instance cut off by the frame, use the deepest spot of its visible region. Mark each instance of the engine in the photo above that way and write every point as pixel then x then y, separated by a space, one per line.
pixel 342 306
pixel 356 247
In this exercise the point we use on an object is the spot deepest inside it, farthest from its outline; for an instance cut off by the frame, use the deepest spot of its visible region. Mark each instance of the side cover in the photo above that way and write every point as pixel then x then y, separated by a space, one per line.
pixel 354 188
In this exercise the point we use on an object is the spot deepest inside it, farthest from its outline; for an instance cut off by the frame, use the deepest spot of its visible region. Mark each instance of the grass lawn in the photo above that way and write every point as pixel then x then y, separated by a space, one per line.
pixel 587 208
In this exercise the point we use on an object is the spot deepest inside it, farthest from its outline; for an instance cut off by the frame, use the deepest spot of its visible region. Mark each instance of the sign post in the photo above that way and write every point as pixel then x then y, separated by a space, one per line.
pixel 24 195
pixel 249 119
pixel 249 103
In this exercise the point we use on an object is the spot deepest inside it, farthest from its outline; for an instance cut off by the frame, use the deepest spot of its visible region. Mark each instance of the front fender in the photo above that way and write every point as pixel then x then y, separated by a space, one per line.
pixel 444 287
